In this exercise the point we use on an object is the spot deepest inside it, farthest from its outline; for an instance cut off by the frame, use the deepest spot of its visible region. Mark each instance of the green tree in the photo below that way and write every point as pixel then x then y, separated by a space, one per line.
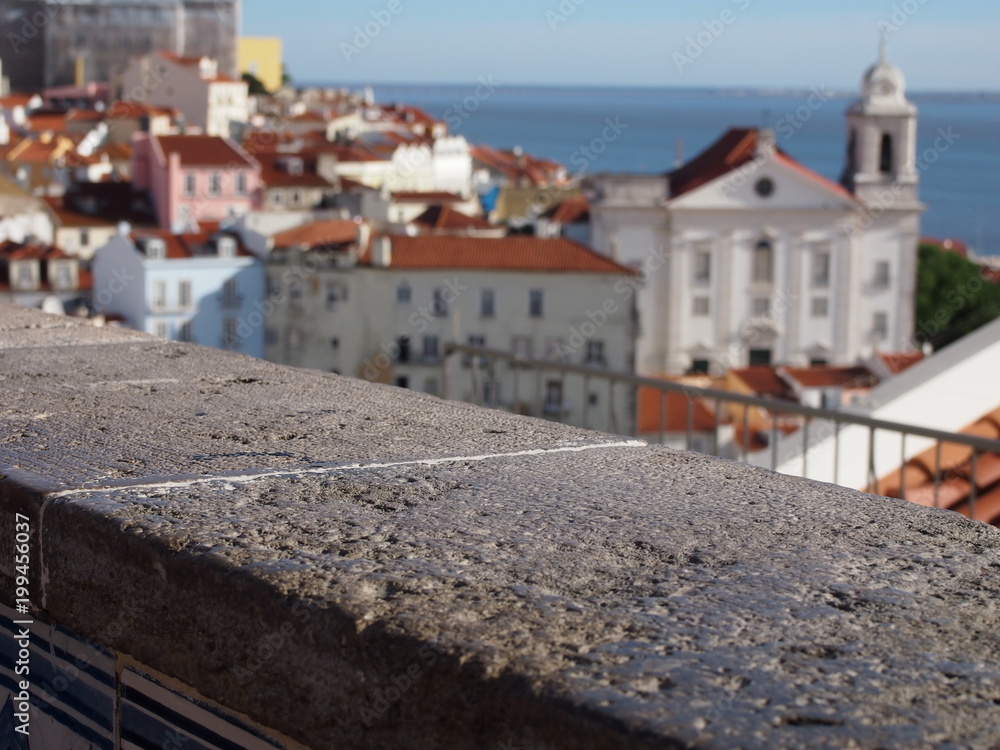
pixel 255 86
pixel 953 297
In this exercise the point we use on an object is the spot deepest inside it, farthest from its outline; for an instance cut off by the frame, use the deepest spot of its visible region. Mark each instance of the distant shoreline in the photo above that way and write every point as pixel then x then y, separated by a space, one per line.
pixel 958 97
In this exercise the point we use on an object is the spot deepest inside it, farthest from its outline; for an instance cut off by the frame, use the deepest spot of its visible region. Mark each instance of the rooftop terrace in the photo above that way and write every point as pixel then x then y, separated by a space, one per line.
pixel 429 574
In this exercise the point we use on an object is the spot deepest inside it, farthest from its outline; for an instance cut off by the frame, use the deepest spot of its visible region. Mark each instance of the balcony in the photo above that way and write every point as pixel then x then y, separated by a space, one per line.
pixel 280 556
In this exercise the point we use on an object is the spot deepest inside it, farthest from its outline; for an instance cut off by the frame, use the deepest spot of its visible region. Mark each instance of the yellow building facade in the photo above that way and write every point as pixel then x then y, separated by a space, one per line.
pixel 261 57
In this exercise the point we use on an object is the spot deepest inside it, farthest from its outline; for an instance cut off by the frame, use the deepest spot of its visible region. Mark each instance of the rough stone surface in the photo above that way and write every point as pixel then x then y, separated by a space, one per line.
pixel 610 597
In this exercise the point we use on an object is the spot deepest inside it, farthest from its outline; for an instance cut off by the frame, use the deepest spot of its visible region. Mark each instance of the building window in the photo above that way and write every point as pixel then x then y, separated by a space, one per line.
pixel 403 294
pixel 536 303
pixel 477 341
pixel 702 267
pixel 84 238
pixel 215 184
pixel 431 348
pixel 230 339
pixel 880 326
pixel 882 279
pixel 820 307
pixel 760 357
pixel 294 338
pixel 763 263
pixel 402 381
pixel 296 198
pixel 595 353
pixel 553 397
pixel 440 305
pixel 700 367
pixel 487 303
pixel 403 349
pixel 431 387
pixel 555 348
pixel 521 346
pixel 161 329
pixel 821 270
pixel 271 337
pixel 273 286
pixel 295 293
pixel 241 184
pixel 886 161
pixel 700 306
pixel 159 295
pixel 275 198
pixel 491 393
pixel 190 186
pixel 335 293
pixel 335 344
pixel 761 307
pixel 184 332
pixel 230 294
pixel 184 294
pixel 64 276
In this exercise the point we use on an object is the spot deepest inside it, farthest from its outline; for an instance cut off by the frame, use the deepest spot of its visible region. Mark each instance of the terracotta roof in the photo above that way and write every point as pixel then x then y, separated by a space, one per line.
pixel 827 376
pixel 652 403
pixel 69 218
pixel 570 211
pixel 896 363
pixel 10 250
pixel 447 218
pixel 948 245
pixel 955 490
pixel 515 253
pixel 116 152
pixel 317 234
pixel 204 151
pixel 432 197
pixel 274 174
pixel 122 110
pixel 735 148
pixel 764 380
pixel 192 245
pixel 519 167
pixel 47 121
pixel 16 100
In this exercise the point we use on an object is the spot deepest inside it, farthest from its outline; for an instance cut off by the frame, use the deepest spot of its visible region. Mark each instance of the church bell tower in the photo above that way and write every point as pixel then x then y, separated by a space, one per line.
pixel 882 139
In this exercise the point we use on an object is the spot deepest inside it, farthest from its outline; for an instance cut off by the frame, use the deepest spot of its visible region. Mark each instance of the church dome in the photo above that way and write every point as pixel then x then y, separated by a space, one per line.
pixel 883 83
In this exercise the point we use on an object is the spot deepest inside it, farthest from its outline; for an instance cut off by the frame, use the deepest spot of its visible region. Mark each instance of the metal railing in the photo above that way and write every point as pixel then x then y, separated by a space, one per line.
pixel 806 418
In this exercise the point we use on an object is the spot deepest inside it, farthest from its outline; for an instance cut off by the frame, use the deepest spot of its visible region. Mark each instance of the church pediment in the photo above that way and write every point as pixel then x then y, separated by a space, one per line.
pixel 769 181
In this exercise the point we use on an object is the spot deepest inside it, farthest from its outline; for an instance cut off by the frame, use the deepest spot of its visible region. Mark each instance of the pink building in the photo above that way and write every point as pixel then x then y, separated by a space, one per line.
pixel 195 178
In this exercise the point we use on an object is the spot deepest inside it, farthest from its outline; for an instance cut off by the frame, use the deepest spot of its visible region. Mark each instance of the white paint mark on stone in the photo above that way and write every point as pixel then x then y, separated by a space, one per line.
pixel 250 478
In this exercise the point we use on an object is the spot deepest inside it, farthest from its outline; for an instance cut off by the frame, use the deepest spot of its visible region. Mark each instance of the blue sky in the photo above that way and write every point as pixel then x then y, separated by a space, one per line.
pixel 941 46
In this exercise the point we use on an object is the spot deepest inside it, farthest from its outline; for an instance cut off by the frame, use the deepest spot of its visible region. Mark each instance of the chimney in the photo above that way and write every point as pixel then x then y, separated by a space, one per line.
pixel 364 235
pixel 766 143
pixel 382 252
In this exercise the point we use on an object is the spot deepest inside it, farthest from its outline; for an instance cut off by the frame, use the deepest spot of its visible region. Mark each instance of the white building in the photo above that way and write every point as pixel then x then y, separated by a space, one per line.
pixel 200 288
pixel 380 160
pixel 761 260
pixel 385 314
pixel 193 85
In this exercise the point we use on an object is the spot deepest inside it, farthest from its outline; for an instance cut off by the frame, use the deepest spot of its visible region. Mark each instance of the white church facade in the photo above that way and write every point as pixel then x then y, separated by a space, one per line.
pixel 768 262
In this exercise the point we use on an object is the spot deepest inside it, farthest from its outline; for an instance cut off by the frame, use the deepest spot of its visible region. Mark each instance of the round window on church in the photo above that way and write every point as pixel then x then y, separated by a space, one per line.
pixel 764 187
